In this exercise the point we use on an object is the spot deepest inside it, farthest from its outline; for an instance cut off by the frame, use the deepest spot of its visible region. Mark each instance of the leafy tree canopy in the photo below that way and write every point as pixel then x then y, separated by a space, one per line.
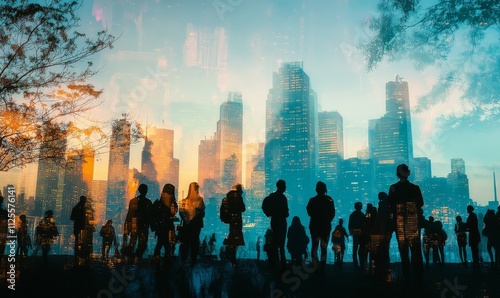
pixel 44 65
pixel 459 37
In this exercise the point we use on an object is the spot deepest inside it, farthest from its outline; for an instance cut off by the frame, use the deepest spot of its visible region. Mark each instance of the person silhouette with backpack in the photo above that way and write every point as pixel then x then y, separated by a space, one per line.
pixel 232 207
pixel 108 235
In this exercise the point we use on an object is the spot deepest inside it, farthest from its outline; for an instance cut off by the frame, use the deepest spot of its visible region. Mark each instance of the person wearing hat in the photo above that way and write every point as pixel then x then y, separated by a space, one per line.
pixel 164 210
pixel 46 233
pixel 405 203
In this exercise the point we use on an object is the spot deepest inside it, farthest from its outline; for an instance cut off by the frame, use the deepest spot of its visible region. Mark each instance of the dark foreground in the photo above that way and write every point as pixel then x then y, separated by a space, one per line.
pixel 252 278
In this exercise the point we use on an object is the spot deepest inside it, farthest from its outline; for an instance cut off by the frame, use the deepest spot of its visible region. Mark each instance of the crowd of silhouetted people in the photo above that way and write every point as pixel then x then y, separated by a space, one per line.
pixel 399 212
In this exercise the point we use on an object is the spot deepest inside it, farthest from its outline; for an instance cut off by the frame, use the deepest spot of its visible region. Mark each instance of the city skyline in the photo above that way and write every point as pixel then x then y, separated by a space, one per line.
pixel 168 78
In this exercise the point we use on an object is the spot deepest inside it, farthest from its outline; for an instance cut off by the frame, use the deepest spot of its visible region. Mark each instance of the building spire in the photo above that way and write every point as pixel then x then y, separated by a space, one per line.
pixel 495 187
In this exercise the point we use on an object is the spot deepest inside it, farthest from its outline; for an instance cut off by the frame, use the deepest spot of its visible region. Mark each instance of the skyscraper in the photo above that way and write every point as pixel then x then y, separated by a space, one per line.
pixel 291 131
pixel 50 180
pixel 208 167
pixel 390 137
pixel 458 185
pixel 119 156
pixel 79 172
pixel 158 163
pixel 230 141
pixel 421 169
pixel 330 147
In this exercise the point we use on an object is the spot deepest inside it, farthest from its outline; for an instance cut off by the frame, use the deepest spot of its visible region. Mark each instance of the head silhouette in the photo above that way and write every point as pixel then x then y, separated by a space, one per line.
pixel 49 213
pixel 382 196
pixel 320 188
pixel 470 208
pixel 341 221
pixel 459 218
pixel 281 186
pixel 358 206
pixel 402 171
pixel 296 221
pixel 143 189
pixel 169 188
pixel 83 199
pixel 193 191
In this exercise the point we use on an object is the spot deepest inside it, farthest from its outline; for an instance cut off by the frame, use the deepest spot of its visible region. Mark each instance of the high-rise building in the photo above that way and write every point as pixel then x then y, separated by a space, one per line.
pixel 255 175
pixel 230 141
pixel 208 167
pixel 330 147
pixel 50 180
pixel 158 163
pixel 458 184
pixel 291 151
pixel 119 156
pixel 99 188
pixel 356 183
pixel 77 180
pixel 390 137
pixel 421 169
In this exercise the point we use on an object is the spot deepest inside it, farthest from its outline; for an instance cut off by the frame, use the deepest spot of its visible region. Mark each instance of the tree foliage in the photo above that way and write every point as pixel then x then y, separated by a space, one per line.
pixel 458 37
pixel 44 65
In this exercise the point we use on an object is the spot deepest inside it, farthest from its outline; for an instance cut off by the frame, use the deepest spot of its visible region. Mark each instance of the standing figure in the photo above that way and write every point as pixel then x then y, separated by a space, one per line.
pixel 192 212
pixel 441 240
pixel 474 236
pixel 275 206
pixel 108 238
pixel 339 235
pixel 460 232
pixel 23 237
pixel 78 216
pixel 321 209
pixel 367 240
pixel 384 226
pixel 211 244
pixel 163 212
pixel 430 240
pixel 405 202
pixel 297 241
pixel 137 223
pixel 257 247
pixel 46 233
pixel 3 229
pixel 235 206
pixel 356 222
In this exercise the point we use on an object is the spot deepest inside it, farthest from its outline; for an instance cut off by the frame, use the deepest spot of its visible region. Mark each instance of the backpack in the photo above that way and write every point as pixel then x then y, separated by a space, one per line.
pixel 266 206
pixel 225 215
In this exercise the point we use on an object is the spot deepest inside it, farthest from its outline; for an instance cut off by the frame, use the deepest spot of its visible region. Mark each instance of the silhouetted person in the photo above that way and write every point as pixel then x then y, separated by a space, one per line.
pixel 108 235
pixel 81 217
pixel 384 226
pixel 321 209
pixel 405 200
pixel 192 212
pixel 137 223
pixel 46 233
pixel 356 221
pixel 430 240
pixel 3 229
pixel 235 207
pixel 275 206
pixel 211 244
pixel 461 233
pixel 491 232
pixel 365 244
pixel 257 247
pixel 297 241
pixel 441 240
pixel 163 211
pixel 474 236
pixel 23 237
pixel 339 235
pixel 270 248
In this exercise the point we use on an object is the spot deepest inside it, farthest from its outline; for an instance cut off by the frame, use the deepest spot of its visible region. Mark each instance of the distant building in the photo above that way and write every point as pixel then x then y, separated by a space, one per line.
pixel 207 166
pixel 421 169
pixel 330 147
pixel 390 137
pixel 119 157
pixel 357 183
pixel 458 185
pixel 291 151
pixel 255 175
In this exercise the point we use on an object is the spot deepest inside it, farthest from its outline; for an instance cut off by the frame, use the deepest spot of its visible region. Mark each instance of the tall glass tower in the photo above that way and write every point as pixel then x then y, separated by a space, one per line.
pixel 330 147
pixel 119 156
pixel 291 132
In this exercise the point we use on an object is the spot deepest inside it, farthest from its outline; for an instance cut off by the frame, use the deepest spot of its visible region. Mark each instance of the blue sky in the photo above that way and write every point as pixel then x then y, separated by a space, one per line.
pixel 146 75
